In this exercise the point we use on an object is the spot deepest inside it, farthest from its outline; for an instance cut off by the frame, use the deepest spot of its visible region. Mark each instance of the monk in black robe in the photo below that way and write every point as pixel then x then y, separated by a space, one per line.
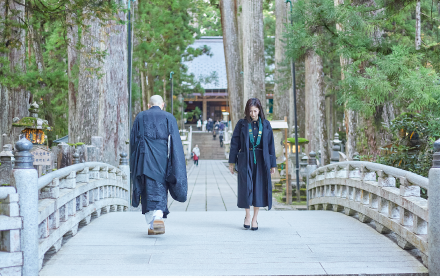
pixel 157 163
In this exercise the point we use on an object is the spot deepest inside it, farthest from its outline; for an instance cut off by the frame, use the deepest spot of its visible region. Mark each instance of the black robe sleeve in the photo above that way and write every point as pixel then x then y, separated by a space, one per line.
pixel 235 143
pixel 134 156
pixel 176 170
pixel 273 159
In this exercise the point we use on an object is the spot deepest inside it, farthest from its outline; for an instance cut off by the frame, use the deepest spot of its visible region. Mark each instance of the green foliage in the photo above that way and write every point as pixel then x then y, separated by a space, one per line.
pixel 164 30
pixel 45 47
pixel 300 140
pixel 411 149
pixel 194 114
pixel 378 41
pixel 209 18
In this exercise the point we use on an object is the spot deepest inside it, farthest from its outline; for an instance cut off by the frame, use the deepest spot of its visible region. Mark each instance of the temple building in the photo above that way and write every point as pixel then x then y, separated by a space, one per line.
pixel 215 101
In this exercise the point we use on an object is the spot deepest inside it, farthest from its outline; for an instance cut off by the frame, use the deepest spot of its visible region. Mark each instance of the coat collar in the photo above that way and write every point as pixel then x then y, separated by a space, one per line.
pixel 154 108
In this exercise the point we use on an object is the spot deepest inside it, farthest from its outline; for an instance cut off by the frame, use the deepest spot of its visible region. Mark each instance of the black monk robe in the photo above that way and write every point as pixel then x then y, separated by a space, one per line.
pixel 152 172
pixel 239 152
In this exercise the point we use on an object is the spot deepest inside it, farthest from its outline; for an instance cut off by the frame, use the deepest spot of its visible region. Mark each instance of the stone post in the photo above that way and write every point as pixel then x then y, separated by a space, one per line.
pixel 25 179
pixel 303 166
pixel 310 169
pixel 434 213
pixel 356 157
pixel 63 159
pixel 335 149
pixel 75 158
pixel 98 142
pixel 123 165
pixel 6 164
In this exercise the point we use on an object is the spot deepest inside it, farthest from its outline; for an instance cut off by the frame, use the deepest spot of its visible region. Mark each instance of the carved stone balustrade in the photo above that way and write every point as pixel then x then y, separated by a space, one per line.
pixel 369 190
pixel 72 196
pixel 37 213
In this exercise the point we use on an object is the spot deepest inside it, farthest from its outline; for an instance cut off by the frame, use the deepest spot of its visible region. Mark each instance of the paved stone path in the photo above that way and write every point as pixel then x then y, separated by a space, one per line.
pixel 213 242
pixel 211 187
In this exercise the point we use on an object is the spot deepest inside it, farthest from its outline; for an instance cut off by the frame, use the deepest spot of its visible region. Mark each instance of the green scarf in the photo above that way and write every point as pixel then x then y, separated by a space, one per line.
pixel 251 137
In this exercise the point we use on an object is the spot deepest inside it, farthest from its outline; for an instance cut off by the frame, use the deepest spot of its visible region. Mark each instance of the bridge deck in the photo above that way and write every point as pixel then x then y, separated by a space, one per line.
pixel 213 242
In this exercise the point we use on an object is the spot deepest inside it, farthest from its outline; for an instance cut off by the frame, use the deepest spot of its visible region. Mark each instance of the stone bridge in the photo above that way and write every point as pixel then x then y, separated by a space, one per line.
pixel 363 218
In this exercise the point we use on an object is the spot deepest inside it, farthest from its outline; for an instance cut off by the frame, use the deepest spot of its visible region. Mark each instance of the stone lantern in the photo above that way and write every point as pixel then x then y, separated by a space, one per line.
pixel 34 127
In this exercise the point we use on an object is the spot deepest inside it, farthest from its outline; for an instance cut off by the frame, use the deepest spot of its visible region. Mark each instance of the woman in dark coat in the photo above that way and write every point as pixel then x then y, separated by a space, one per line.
pixel 253 150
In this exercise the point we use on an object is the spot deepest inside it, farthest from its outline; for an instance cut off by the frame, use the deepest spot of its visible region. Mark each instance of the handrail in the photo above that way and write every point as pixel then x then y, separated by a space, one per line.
pixel 6 190
pixel 63 172
pixel 391 171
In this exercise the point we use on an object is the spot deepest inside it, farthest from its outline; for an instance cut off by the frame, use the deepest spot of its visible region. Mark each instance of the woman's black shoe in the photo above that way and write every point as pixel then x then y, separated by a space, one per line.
pixel 254 228
pixel 246 226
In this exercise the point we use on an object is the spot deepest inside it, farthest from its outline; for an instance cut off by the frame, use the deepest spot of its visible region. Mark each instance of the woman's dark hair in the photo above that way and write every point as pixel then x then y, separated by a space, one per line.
pixel 247 111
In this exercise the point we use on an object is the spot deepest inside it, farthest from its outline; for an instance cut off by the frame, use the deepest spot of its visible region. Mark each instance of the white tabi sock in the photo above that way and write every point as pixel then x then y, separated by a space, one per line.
pixel 149 217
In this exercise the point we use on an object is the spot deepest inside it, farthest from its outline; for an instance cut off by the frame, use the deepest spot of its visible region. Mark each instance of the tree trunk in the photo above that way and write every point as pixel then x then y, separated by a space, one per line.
pixel 144 94
pixel 150 87
pixel 14 101
pixel 239 15
pixel 300 99
pixel 232 59
pixel 283 75
pixel 72 71
pixel 418 26
pixel 253 52
pixel 114 91
pixel 102 103
pixel 316 130
pixel 350 116
pixel 164 88
pixel 87 119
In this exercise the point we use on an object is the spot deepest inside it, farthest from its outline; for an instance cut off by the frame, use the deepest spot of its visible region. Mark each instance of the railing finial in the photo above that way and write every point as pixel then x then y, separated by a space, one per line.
pixel 436 156
pixel 75 157
pixel 312 159
pixel 23 158
pixel 356 157
pixel 124 159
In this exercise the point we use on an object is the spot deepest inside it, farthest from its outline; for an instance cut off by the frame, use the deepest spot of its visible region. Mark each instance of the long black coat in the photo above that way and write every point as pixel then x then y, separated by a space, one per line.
pixel 148 158
pixel 240 152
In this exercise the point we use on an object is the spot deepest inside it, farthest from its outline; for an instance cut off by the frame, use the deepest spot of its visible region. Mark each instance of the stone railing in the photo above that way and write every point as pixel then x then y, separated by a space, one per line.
pixel 55 205
pixel 11 257
pixel 386 195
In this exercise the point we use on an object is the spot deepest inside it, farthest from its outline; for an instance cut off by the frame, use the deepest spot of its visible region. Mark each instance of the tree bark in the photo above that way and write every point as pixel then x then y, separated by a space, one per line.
pixel 253 52
pixel 300 99
pixel 418 26
pixel 315 123
pixel 282 94
pixel 239 15
pixel 144 95
pixel 233 59
pixel 102 102
pixel 72 71
pixel 14 101
pixel 114 128
pixel 350 115
pixel 164 88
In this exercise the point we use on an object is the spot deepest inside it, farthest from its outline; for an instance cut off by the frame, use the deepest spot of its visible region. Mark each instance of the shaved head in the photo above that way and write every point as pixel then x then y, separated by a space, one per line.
pixel 156 100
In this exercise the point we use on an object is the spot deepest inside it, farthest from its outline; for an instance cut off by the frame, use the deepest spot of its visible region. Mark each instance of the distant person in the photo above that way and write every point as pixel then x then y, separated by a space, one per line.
pixel 199 124
pixel 209 125
pixel 253 149
pixel 221 126
pixel 196 156
pixel 220 137
pixel 205 122
pixel 150 160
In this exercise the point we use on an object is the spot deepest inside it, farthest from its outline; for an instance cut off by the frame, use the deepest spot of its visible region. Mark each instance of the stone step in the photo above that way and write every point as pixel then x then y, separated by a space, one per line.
pixel 209 148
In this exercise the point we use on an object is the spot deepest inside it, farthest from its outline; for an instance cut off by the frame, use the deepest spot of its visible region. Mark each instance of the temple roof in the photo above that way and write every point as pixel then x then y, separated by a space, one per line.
pixel 205 65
